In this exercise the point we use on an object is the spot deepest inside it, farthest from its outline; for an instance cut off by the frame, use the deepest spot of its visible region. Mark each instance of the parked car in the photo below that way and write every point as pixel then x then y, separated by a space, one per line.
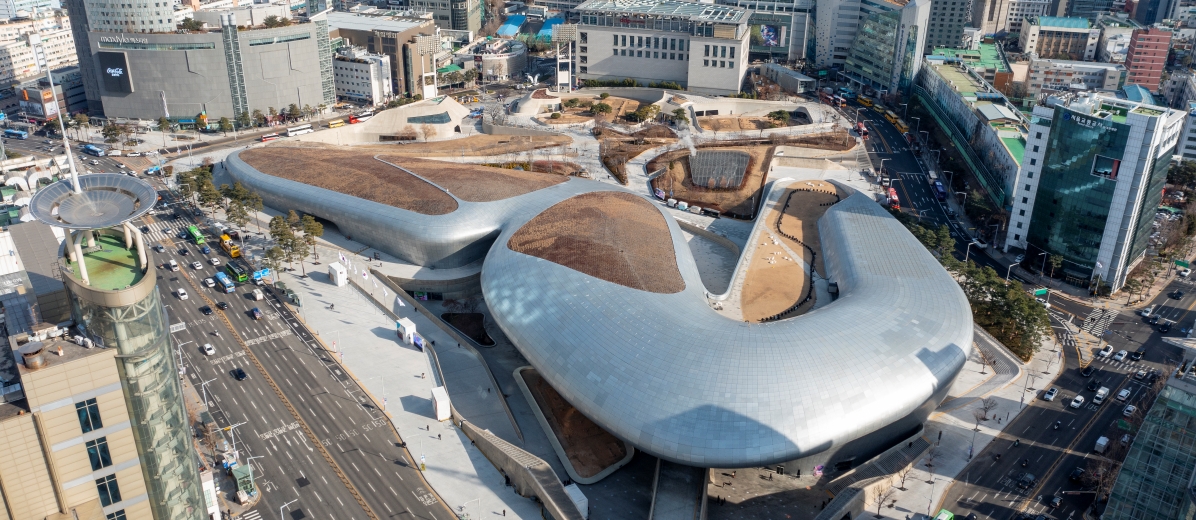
pixel 1019 258
pixel 1050 394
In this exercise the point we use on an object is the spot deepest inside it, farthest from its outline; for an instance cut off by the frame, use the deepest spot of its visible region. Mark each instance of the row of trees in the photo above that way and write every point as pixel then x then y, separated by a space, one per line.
pixel 295 238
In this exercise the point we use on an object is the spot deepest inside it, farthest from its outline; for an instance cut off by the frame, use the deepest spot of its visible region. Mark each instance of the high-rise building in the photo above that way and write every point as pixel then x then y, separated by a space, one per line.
pixel 10 9
pixel 361 76
pixel 1147 56
pixel 1155 480
pixel 837 23
pixel 394 37
pixel 1089 9
pixel 887 52
pixel 1150 12
pixel 1059 38
pixel 1187 141
pixel 781 29
pixel 995 16
pixel 947 20
pixel 1092 174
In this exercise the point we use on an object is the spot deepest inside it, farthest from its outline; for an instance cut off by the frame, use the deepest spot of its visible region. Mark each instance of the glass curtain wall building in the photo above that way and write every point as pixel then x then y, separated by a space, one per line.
pixel 887 51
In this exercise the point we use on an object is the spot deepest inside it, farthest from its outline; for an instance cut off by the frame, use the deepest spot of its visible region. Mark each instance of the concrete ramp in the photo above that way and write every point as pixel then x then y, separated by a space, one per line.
pixel 678 492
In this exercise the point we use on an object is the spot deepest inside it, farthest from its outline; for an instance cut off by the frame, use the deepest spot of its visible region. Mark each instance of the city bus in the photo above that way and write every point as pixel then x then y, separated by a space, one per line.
pixel 92 149
pixel 361 118
pixel 893 201
pixel 864 100
pixel 269 137
pixel 901 126
pixel 195 235
pixel 939 191
pixel 891 116
pixel 299 130
pixel 236 272
pixel 336 123
pixel 225 282
pixel 232 249
pixel 13 133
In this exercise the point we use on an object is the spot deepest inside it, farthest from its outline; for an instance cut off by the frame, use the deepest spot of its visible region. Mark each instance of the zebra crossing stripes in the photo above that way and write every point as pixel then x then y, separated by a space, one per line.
pixel 251 515
pixel 1098 321
pixel 159 230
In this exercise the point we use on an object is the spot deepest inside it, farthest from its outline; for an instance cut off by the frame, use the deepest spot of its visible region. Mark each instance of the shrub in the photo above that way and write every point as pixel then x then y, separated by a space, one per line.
pixel 604 95
pixel 555 115
pixel 570 103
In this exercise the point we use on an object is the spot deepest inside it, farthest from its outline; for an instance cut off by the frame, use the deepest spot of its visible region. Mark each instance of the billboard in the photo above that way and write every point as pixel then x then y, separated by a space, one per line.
pixel 114 69
pixel 1106 167
pixel 766 36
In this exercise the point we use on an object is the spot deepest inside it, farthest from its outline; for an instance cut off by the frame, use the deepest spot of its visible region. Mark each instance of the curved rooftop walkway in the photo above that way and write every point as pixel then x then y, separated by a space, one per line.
pixel 645 356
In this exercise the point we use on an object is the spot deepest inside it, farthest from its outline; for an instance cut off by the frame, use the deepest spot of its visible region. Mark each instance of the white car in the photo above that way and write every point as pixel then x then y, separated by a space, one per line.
pixel 209 282
pixel 1147 311
pixel 1043 302
pixel 1049 395
pixel 1129 410
pixel 1120 356
pixel 1123 394
pixel 214 261
pixel 208 350
pixel 182 294
pixel 196 265
pixel 1185 273
pixel 1077 402
pixel 1106 352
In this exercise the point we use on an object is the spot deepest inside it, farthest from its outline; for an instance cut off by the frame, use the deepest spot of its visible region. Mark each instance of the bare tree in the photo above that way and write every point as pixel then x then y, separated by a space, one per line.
pixel 931 454
pixel 986 359
pixel 903 474
pixel 428 131
pixel 988 404
pixel 980 417
pixel 881 497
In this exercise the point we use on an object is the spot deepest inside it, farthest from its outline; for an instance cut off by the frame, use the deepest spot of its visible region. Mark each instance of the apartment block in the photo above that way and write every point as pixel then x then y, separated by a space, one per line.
pixel 362 77
pixel 888 49
pixel 947 20
pixel 994 16
pixel 838 22
pixel 1073 75
pixel 1146 57
pixel 1059 38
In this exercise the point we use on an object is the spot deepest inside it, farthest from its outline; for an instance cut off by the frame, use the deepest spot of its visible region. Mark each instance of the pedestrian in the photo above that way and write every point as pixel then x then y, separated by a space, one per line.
pixel 428 427
pixel 733 474
pixel 504 512
pixel 998 420
pixel 438 437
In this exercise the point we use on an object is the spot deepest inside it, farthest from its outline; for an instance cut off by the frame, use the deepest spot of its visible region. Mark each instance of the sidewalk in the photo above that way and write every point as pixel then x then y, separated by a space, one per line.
pixel 226 487
pixel 952 431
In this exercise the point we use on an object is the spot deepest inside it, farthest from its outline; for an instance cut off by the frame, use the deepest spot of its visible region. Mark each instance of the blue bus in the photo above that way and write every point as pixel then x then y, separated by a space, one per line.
pixel 939 191
pixel 225 282
pixel 92 149
pixel 13 133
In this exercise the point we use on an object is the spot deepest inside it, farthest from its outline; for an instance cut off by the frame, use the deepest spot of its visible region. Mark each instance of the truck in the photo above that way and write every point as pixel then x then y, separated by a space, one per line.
pixel 1101 444
pixel 862 130
pixel 258 295
pixel 1101 395
pixel 232 249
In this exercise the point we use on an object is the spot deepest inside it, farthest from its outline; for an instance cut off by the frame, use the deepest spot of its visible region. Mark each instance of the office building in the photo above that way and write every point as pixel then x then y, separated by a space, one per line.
pixel 1073 75
pixel 1155 480
pixel 1150 12
pixel 1087 9
pixel 409 42
pixel 947 20
pixel 887 51
pixel 463 15
pixel 781 29
pixel 996 16
pixel 837 23
pixel 1093 173
pixel 1115 35
pixel 10 9
pixel 362 77
pixel 702 47
pixel 1059 38
pixel 1146 57
pixel 1187 141
pixel 20 57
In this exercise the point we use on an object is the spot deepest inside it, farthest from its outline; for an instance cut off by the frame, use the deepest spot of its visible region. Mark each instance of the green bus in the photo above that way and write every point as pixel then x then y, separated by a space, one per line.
pixel 236 272
pixel 195 235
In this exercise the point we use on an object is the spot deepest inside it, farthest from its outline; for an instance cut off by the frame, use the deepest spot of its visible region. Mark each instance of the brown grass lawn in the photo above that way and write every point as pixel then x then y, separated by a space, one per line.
pixel 474 182
pixel 590 448
pixel 741 201
pixel 474 145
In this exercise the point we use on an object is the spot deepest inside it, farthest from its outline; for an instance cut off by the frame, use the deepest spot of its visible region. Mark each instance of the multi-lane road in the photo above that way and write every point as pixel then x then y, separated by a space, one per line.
pixel 321 441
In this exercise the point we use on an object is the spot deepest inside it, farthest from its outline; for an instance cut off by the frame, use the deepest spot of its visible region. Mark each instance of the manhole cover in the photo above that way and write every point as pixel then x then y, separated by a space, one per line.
pixel 302 481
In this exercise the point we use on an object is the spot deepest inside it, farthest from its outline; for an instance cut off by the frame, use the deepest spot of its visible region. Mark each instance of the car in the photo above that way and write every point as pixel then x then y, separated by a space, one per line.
pixel 1077 402
pixel 1123 394
pixel 1076 475
pixel 1049 395
pixel 1165 327
pixel 1155 319
pixel 182 293
pixel 239 374
pixel 1185 272
pixel 208 349
pixel 1094 385
pixel 1043 302
pixel 1129 410
pixel 196 265
pixel 1140 375
pixel 184 251
pixel 160 248
pixel 207 311
pixel 1019 258
pixel 221 305
pixel 1146 312
pixel 133 154
pixel 1177 295
pixel 1120 355
pixel 205 250
pixel 1125 439
pixel 174 266
pixel 979 243
pixel 1055 502
pixel 1026 481
pixel 1137 354
pixel 1106 352
pixel 94 162
pixel 1088 371
pixel 214 261
pixel 145 229
pixel 209 283
pixel 182 234
pixel 255 313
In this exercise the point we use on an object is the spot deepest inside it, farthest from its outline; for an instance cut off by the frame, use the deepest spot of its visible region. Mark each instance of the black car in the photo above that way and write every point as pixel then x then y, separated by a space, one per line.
pixel 183 251
pixel 240 374
pixel 1076 475
pixel 1137 354
pixel 1026 481
pixel 1177 295
pixel 145 229
pixel 1155 319
pixel 1088 371
pixel 221 305
pixel 206 310
pixel 1094 384
pixel 1165 327
pixel 1055 502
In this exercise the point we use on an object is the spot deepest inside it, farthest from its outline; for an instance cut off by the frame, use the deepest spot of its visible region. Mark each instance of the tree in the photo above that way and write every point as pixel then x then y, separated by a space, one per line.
pixel 284 235
pixel 254 203
pixel 903 473
pixel 189 24
pixel 164 124
pixel 111 132
pixel 243 119
pixel 274 258
pixel 225 125
pixel 312 229
pixel 293 219
pixel 275 21
pixel 679 116
pixel 308 111
pixel 428 131
pixel 237 214
pixel 979 416
pixel 81 121
pixel 258 117
pixel 209 196
pixel 986 359
pixel 882 497
pixel 1055 261
pixel 602 108
pixel 780 116
pixel 293 112
pixel 988 404
pixel 1182 174
pixel 300 249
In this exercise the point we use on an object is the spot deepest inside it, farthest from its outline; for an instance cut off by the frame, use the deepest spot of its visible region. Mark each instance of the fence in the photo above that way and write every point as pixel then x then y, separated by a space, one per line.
pixel 813 259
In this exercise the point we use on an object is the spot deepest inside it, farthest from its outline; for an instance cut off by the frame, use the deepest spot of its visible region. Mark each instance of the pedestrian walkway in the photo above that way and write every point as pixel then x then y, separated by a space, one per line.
pixel 1002 366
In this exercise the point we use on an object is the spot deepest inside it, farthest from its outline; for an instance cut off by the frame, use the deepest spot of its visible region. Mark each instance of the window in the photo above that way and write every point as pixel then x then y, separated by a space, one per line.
pixel 1019 225
pixel 584 69
pixel 655 43
pixel 1027 187
pixel 1021 213
pixel 639 54
pixel 672 44
pixel 1029 175
pixel 584 60
pixel 707 54
pixel 119 515
pixel 1033 162
pixel 109 491
pixel 1017 237
pixel 655 54
pixel 585 37
pixel 1025 200
pixel 732 53
pixel 97 451
pixel 672 55
pixel 89 415
pixel 730 64
pixel 1035 148
pixel 641 42
pixel 624 40
pixel 724 51
pixel 584 49
pixel 705 63
pixel 616 39
pixel 1039 136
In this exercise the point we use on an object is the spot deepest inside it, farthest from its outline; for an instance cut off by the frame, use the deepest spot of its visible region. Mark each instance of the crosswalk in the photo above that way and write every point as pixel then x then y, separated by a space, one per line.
pixel 1126 364
pixel 1098 321
pixel 251 515
pixel 160 230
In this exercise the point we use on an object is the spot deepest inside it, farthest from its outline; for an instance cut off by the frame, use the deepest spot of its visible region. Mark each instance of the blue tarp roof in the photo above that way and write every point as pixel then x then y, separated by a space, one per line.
pixel 546 31
pixel 511 26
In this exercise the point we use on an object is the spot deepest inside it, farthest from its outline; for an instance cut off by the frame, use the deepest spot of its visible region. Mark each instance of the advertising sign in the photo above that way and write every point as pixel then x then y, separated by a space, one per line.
pixel 1106 167
pixel 114 69
pixel 770 36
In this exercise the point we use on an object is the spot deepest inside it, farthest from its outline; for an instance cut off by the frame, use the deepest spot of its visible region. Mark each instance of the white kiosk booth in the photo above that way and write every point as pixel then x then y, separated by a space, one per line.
pixel 338 274
pixel 406 330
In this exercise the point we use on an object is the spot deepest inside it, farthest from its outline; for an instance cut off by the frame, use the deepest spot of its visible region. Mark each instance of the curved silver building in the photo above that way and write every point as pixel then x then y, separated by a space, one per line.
pixel 635 345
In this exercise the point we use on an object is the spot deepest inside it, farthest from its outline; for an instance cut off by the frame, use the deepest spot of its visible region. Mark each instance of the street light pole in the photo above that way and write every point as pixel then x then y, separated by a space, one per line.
pixel 204 387
pixel 857 114
pixel 1008 272
pixel 905 114
pixel 968 251
pixel 919 121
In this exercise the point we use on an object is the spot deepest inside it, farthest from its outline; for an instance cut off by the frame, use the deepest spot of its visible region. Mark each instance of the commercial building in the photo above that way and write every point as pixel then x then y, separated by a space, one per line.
pixel 29 54
pixel 837 23
pixel 10 9
pixel 1093 174
pixel 1059 38
pixel 997 16
pixel 1186 149
pixel 1073 75
pixel 493 58
pixel 1115 35
pixel 987 60
pixel 788 79
pixel 462 15
pixel 947 20
pixel 1150 12
pixel 702 47
pixel 781 29
pixel 408 41
pixel 362 77
pixel 1155 480
pixel 887 51
pixel 1146 57
pixel 1087 9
